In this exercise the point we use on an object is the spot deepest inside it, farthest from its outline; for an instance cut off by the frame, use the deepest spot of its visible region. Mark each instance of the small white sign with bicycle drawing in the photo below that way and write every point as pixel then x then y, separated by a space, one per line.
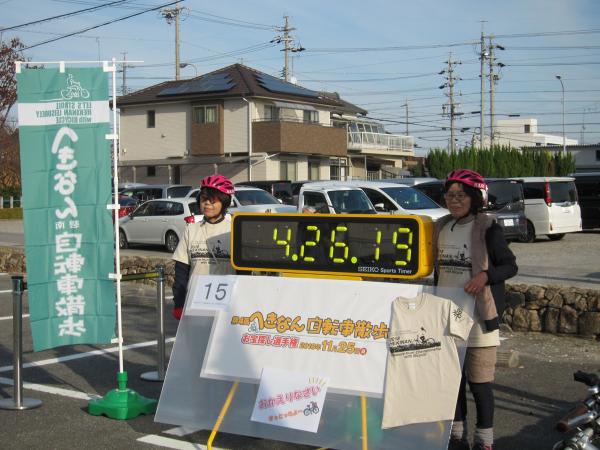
pixel 290 399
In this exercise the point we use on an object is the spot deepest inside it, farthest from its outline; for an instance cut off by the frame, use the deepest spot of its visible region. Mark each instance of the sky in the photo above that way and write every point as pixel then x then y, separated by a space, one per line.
pixel 379 55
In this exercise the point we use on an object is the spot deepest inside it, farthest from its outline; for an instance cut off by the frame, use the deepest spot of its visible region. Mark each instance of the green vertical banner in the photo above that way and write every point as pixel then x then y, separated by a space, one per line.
pixel 66 180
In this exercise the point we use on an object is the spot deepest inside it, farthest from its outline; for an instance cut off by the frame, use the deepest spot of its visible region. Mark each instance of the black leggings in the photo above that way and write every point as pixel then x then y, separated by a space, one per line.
pixel 484 403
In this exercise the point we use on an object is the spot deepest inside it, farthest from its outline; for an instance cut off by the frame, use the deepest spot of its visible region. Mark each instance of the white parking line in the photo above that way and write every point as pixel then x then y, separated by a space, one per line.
pixel 49 361
pixel 182 431
pixel 52 390
pixel 166 442
pixel 10 317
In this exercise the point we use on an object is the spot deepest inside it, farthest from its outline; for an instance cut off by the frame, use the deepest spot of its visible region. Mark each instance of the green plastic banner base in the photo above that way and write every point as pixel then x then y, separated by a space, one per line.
pixel 122 403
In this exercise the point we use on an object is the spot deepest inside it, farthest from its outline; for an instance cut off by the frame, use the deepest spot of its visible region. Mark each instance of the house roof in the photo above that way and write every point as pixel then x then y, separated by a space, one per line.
pixel 345 107
pixel 232 81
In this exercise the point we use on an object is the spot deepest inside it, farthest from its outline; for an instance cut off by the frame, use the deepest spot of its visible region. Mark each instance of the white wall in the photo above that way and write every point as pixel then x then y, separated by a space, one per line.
pixel 235 121
pixel 171 136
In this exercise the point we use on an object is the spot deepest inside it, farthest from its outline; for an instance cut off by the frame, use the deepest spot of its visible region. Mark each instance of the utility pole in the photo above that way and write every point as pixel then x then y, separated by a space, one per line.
pixel 449 109
pixel 288 46
pixel 493 79
pixel 406 105
pixel 124 82
pixel 171 15
pixel 482 56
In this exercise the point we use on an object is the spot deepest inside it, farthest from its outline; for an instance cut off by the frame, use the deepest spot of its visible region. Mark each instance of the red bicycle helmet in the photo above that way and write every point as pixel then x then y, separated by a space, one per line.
pixel 218 182
pixel 468 177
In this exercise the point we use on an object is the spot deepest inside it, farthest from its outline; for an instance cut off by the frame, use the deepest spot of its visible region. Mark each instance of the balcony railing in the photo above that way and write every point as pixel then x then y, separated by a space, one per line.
pixel 358 140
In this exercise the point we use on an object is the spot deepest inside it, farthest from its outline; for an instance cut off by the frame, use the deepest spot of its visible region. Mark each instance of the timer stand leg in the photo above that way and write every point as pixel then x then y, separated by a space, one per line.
pixel 222 414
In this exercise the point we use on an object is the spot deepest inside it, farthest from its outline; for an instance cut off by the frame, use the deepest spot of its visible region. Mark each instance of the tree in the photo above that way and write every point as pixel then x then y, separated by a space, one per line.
pixel 9 53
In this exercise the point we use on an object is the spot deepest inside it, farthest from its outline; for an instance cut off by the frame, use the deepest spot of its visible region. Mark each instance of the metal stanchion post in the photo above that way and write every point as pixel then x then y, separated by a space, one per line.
pixel 159 375
pixel 18 402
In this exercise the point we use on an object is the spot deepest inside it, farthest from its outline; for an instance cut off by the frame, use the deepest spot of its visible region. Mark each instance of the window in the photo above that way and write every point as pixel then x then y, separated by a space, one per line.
pixel 533 190
pixel 597 155
pixel 380 202
pixel 311 116
pixel 317 201
pixel 150 118
pixel 527 129
pixel 287 170
pixel 272 112
pixel 151 171
pixel 313 170
pixel 204 114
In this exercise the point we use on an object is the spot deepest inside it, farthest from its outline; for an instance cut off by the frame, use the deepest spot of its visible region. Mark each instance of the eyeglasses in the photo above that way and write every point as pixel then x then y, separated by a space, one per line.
pixel 206 198
pixel 460 196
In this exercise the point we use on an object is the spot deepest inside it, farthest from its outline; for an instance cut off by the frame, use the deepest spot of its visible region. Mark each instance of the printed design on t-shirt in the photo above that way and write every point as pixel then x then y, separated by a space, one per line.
pixel 457 313
pixel 454 255
pixel 199 250
pixel 413 343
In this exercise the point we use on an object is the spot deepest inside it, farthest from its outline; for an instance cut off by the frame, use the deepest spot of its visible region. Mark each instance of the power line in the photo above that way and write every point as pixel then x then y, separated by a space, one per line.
pixel 74 13
pixel 384 49
pixel 98 26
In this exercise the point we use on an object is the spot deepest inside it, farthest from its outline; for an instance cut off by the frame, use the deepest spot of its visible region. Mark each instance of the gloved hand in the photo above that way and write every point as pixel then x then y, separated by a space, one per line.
pixel 177 312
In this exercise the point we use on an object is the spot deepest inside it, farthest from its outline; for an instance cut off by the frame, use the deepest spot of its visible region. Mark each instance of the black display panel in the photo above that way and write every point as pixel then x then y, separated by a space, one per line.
pixel 364 245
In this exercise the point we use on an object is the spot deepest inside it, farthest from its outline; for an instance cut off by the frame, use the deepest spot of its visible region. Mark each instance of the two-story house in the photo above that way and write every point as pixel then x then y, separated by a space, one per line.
pixel 236 121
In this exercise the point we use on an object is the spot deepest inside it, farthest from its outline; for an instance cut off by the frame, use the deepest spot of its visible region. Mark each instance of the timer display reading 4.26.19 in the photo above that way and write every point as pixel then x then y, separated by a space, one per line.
pixel 351 244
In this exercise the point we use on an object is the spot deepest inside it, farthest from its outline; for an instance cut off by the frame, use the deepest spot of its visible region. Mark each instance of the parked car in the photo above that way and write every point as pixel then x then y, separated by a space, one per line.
pixel 296 186
pixel 334 197
pixel 506 204
pixel 160 222
pixel 128 205
pixel 588 193
pixel 152 191
pixel 399 199
pixel 251 199
pixel 280 189
pixel 431 187
pixel 551 207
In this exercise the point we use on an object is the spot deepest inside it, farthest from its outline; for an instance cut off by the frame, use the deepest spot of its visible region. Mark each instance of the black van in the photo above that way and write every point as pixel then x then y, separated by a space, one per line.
pixel 588 191
pixel 280 189
pixel 506 204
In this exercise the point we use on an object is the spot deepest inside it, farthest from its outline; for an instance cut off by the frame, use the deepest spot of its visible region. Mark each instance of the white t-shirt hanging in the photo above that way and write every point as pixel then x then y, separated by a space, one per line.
pixel 454 270
pixel 423 369
pixel 206 248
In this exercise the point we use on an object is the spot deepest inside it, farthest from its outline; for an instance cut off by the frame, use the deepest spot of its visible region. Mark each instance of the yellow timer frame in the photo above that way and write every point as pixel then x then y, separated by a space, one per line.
pixel 363 245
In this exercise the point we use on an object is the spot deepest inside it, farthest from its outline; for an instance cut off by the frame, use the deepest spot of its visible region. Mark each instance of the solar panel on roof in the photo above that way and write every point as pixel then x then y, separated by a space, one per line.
pixel 209 83
pixel 283 87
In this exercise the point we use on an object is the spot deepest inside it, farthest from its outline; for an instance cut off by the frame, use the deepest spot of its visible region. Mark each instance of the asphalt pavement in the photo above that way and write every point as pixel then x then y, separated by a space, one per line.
pixel 529 398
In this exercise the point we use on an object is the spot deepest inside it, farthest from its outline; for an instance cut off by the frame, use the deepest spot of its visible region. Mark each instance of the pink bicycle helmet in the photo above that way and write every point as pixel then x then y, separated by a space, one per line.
pixel 218 182
pixel 468 177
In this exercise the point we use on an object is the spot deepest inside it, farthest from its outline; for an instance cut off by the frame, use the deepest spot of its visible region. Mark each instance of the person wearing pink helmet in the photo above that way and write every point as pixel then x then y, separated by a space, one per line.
pixel 471 255
pixel 205 247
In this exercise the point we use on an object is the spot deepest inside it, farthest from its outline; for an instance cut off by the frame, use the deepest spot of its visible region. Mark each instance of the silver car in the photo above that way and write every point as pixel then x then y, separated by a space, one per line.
pixel 160 222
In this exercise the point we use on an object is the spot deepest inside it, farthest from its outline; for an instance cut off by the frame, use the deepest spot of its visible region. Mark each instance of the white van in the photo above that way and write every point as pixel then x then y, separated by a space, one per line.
pixel 551 207
pixel 334 197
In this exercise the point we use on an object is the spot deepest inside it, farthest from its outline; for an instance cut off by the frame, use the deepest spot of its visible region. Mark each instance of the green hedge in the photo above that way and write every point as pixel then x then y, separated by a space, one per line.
pixel 11 213
pixel 500 162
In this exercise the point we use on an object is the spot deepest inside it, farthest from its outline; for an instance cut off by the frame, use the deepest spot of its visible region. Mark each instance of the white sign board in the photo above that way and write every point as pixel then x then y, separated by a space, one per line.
pixel 316 325
pixel 210 292
pixel 290 399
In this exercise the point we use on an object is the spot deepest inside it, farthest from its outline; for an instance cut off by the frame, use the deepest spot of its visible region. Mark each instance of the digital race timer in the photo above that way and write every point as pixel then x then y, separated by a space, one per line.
pixel 345 244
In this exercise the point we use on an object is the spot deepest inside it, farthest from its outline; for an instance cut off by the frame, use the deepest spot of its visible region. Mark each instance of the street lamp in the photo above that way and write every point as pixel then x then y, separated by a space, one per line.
pixel 559 78
pixel 184 65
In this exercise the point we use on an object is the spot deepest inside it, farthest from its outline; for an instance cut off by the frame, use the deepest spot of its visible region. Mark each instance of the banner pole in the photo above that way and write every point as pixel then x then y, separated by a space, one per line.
pixel 121 403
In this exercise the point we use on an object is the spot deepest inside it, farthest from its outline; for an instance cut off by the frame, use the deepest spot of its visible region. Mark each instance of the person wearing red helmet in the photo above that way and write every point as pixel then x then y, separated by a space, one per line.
pixel 471 254
pixel 205 246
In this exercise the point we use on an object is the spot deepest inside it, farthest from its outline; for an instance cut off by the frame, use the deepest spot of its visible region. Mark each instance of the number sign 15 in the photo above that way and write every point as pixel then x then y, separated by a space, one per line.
pixel 210 291
pixel 366 245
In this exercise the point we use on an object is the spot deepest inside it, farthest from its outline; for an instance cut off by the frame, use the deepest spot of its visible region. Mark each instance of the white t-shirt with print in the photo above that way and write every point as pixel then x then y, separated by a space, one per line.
pixel 423 368
pixel 205 247
pixel 454 270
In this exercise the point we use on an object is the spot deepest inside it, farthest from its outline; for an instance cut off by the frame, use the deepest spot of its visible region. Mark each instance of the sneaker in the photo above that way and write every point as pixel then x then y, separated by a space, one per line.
pixel 458 444
pixel 480 446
